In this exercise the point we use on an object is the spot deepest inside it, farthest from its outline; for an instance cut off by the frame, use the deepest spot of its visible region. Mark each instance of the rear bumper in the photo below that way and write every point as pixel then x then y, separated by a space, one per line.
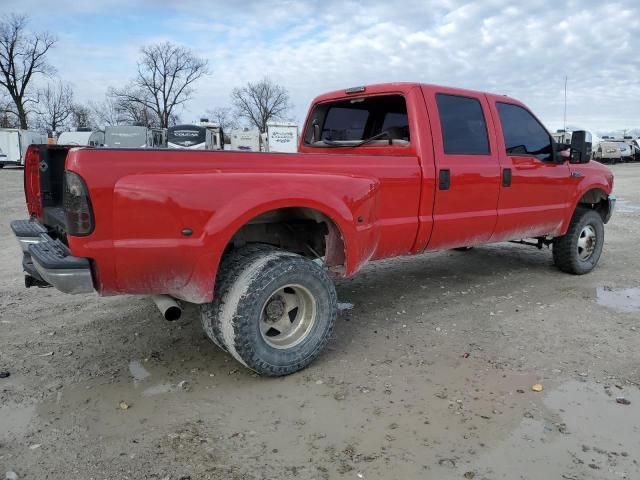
pixel 612 207
pixel 50 260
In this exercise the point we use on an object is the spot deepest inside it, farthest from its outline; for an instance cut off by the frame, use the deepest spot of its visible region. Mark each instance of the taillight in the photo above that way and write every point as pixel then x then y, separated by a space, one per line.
pixel 32 181
pixel 77 205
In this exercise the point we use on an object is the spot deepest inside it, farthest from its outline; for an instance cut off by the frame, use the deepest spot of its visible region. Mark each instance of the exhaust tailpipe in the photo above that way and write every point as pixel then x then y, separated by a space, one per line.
pixel 168 307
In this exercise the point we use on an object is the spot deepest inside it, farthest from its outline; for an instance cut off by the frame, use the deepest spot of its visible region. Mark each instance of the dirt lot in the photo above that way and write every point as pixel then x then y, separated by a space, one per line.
pixel 429 375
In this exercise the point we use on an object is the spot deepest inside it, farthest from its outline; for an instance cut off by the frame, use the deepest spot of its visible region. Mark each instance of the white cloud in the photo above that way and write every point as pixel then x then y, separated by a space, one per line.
pixel 523 50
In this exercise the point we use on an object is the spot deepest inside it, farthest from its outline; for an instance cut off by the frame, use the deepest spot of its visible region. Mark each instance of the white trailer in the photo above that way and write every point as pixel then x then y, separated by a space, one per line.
pixel 14 143
pixel 245 140
pixel 282 137
pixel 134 136
pixel 89 138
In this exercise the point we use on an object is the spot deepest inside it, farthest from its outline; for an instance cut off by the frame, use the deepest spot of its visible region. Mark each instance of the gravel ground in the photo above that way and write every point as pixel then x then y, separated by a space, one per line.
pixel 429 375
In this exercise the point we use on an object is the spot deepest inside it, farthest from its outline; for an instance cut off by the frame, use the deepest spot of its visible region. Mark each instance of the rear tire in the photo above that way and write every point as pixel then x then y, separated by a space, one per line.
pixel 230 267
pixel 578 251
pixel 277 313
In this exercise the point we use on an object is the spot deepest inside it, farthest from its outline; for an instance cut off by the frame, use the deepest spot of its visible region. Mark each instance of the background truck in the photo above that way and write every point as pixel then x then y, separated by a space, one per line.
pixel 254 238
pixel 14 143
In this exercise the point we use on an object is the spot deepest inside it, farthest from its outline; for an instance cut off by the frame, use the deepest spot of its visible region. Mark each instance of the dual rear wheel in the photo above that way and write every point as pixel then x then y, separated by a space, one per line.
pixel 274 311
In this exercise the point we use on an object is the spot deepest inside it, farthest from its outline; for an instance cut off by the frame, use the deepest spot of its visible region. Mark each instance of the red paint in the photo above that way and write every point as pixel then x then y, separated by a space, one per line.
pixel 143 199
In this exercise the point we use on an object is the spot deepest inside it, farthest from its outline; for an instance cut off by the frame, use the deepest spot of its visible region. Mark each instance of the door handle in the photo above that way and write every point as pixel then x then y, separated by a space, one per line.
pixel 506 177
pixel 444 179
pixel 576 174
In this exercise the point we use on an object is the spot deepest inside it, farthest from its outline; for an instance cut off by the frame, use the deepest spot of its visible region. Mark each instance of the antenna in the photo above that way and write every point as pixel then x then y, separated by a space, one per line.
pixel 564 119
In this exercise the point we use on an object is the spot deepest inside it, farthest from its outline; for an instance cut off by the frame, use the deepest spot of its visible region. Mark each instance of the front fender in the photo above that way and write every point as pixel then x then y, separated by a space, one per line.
pixel 594 179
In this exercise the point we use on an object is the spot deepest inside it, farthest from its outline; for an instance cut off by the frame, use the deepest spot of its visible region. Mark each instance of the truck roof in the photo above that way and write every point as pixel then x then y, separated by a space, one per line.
pixel 400 87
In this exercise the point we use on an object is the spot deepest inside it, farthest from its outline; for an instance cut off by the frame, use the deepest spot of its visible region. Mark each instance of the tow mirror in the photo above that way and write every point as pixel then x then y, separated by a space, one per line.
pixel 580 146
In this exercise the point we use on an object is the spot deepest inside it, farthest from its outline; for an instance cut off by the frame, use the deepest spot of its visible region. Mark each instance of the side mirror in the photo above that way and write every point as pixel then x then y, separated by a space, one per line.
pixel 580 146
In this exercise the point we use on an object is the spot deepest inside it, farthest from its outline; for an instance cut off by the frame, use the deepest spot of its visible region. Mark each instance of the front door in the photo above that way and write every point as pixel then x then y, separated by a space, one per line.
pixel 535 191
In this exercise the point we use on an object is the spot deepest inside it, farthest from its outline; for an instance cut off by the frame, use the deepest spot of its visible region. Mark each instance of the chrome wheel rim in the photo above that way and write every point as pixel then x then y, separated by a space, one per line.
pixel 288 316
pixel 587 242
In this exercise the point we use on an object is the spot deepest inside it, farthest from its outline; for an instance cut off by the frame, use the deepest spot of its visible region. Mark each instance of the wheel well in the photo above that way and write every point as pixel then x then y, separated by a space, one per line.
pixel 596 199
pixel 305 231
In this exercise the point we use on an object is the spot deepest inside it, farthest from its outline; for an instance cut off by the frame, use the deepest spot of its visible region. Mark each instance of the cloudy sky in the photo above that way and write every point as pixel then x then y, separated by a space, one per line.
pixel 521 49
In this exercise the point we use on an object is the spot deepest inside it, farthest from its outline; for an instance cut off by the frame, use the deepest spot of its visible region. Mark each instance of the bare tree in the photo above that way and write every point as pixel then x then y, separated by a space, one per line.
pixel 22 56
pixel 55 106
pixel 225 117
pixel 106 112
pixel 166 73
pixel 82 116
pixel 132 108
pixel 261 102
pixel 7 118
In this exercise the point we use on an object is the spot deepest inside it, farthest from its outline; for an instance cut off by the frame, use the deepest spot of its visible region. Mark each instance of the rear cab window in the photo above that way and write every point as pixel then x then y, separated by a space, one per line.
pixel 463 126
pixel 376 119
pixel 523 134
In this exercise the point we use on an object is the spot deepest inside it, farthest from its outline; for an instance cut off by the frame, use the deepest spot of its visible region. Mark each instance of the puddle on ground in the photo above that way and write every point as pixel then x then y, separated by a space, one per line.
pixel 138 372
pixel 585 434
pixel 159 389
pixel 624 300
pixel 344 306
pixel 624 206
pixel 14 420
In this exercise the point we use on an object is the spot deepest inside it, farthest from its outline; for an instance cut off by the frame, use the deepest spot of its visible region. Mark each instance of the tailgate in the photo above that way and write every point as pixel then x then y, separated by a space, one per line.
pixel 44 185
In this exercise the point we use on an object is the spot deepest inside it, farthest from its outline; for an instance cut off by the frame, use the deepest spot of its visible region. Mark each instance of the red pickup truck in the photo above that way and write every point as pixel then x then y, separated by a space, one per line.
pixel 254 238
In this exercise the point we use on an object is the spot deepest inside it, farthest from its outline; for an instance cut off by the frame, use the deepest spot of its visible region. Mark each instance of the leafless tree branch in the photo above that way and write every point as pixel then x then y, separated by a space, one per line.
pixel 261 102
pixel 165 77
pixel 22 56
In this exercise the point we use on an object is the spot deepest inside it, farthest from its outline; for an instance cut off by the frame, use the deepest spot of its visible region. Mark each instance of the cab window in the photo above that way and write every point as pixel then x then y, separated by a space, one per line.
pixel 464 130
pixel 523 134
pixel 351 121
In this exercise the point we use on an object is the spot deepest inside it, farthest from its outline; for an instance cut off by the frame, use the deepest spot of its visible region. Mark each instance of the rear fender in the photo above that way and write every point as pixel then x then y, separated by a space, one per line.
pixel 352 212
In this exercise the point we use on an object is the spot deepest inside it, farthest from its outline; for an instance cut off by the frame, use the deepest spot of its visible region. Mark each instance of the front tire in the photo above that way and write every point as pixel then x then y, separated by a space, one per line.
pixel 278 312
pixel 578 251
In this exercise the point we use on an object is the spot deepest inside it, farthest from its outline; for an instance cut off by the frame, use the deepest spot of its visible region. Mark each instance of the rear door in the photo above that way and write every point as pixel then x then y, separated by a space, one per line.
pixel 467 169
pixel 536 191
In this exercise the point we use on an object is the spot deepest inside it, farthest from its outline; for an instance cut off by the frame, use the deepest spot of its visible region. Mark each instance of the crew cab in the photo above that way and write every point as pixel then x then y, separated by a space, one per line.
pixel 255 238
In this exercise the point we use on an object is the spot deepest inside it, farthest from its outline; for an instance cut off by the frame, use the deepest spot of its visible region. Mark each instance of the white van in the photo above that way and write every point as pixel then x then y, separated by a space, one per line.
pixel 14 143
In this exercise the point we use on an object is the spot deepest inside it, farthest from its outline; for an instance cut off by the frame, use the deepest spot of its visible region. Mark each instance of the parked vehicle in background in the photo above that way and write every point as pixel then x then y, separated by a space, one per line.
pixel 203 135
pixel 626 152
pixel 82 137
pixel 245 140
pixel 254 238
pixel 281 137
pixel 635 150
pixel 607 152
pixel 134 136
pixel 562 137
pixel 14 143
